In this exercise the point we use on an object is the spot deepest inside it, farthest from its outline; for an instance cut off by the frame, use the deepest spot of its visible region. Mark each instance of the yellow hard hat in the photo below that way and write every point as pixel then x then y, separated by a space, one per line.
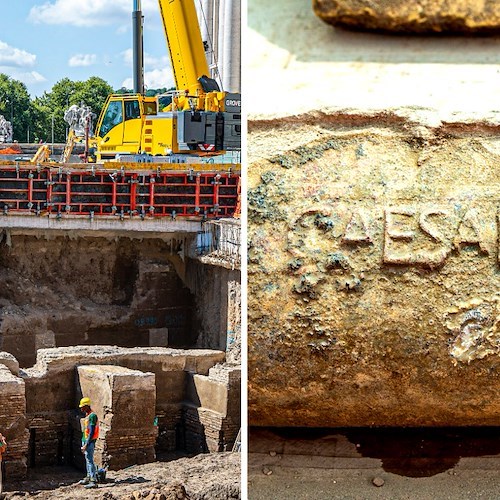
pixel 84 402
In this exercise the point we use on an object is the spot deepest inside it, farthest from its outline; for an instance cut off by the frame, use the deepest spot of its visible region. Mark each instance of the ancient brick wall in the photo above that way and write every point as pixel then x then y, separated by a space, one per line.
pixel 195 404
pixel 212 417
pixel 125 403
pixel 12 423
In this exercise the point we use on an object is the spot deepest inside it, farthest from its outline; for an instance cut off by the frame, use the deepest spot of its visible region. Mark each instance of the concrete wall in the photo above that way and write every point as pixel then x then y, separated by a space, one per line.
pixel 218 293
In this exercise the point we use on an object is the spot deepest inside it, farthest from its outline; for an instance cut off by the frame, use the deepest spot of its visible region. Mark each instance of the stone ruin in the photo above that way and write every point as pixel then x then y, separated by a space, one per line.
pixel 78 118
pixel 6 131
pixel 148 400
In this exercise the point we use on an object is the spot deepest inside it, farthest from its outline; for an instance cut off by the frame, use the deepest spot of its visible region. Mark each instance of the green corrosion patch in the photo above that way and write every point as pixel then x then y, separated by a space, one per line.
pixel 304 154
pixel 265 199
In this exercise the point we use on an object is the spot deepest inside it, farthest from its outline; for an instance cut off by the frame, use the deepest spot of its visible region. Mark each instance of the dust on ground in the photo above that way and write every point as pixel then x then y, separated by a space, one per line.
pixel 208 476
pixel 297 63
pixel 374 464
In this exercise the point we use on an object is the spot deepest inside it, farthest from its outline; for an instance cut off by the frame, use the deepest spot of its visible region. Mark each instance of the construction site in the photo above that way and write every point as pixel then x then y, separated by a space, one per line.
pixel 120 270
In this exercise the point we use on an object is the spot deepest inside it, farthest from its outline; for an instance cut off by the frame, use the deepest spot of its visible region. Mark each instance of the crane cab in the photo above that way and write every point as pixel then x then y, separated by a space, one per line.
pixel 120 128
pixel 132 124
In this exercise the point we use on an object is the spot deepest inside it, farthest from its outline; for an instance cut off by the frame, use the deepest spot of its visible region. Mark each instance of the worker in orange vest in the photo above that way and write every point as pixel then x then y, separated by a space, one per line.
pixel 3 447
pixel 90 433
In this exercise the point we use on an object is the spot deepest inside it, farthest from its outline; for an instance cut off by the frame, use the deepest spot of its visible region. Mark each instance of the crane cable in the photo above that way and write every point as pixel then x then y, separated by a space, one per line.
pixel 210 41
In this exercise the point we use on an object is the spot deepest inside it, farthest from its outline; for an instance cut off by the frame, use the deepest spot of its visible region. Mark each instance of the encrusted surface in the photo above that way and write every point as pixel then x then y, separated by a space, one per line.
pixel 373 272
pixel 417 16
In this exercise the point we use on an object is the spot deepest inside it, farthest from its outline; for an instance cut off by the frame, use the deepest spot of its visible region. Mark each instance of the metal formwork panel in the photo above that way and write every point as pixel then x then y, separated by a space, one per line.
pixel 96 192
pixel 23 189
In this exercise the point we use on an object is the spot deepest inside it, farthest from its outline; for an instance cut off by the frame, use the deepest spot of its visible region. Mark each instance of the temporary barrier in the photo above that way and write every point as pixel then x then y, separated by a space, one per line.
pixel 102 192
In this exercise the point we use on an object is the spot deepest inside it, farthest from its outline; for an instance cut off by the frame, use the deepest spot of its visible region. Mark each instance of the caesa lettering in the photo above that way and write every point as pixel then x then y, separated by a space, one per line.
pixel 406 235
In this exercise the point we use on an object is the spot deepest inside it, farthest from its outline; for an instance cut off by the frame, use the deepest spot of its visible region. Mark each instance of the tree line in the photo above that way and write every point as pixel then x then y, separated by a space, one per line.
pixel 42 118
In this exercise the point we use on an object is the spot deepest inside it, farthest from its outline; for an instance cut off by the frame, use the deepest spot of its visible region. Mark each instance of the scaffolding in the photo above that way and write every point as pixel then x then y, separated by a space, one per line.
pixel 220 241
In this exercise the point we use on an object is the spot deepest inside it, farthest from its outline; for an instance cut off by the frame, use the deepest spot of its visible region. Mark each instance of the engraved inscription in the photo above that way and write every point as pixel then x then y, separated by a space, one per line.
pixel 417 238
pixel 411 235
pixel 357 229
pixel 469 231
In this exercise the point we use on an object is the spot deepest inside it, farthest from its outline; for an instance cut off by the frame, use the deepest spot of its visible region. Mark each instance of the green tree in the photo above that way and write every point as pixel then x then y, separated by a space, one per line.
pixel 16 106
pixel 92 92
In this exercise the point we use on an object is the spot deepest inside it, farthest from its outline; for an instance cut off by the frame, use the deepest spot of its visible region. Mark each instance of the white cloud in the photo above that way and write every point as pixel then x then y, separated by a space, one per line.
pixel 149 60
pixel 82 60
pixel 27 77
pixel 13 57
pixel 89 12
pixel 34 77
pixel 155 79
pixel 159 76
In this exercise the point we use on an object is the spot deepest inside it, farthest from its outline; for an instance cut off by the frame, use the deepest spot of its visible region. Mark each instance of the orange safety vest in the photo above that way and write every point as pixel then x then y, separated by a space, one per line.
pixel 86 428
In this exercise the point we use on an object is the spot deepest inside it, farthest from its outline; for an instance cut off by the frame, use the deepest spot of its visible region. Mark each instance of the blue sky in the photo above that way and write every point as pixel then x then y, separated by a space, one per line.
pixel 43 41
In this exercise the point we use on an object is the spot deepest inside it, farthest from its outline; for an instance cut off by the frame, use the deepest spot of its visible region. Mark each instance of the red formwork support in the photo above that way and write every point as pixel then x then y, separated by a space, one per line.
pixel 103 192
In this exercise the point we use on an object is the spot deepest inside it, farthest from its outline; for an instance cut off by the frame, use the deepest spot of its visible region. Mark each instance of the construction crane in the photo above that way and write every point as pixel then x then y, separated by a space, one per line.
pixel 202 120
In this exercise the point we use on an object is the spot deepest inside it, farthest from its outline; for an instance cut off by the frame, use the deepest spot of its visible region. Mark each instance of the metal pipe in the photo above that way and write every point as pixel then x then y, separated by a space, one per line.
pixel 231 46
pixel 206 19
pixel 221 30
pixel 138 48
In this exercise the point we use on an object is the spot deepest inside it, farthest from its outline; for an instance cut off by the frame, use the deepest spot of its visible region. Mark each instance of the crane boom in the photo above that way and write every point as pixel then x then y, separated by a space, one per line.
pixel 185 45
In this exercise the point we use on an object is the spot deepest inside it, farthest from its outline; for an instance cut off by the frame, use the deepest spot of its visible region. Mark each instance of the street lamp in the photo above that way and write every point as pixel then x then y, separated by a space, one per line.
pixel 52 132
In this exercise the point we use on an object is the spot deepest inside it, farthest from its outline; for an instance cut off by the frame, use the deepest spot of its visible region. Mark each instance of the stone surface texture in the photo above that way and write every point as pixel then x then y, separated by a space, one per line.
pixel 10 362
pixel 373 270
pixel 416 16
pixel 125 403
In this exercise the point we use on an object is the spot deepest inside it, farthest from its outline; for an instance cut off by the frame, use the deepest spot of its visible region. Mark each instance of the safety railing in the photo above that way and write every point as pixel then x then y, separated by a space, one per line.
pixel 221 240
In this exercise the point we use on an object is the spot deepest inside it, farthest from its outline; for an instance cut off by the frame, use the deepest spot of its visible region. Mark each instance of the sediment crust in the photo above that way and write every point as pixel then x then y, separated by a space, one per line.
pixel 418 16
pixel 373 270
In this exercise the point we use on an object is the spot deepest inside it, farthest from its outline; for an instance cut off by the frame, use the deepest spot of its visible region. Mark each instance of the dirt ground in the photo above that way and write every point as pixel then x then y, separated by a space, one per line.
pixel 380 464
pixel 212 476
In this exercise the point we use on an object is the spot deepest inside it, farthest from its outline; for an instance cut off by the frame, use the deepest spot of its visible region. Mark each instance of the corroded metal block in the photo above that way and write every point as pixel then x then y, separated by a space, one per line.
pixel 374 272
pixel 416 16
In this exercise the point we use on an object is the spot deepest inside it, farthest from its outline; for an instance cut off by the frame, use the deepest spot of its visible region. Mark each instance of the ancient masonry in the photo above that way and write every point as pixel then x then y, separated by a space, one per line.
pixel 148 400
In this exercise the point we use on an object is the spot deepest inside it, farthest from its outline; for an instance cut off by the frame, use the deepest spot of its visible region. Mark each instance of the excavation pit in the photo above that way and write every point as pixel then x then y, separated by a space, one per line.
pixel 114 310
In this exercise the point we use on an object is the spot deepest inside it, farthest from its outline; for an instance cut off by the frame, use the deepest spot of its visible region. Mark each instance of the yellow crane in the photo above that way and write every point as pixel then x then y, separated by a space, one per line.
pixel 201 119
